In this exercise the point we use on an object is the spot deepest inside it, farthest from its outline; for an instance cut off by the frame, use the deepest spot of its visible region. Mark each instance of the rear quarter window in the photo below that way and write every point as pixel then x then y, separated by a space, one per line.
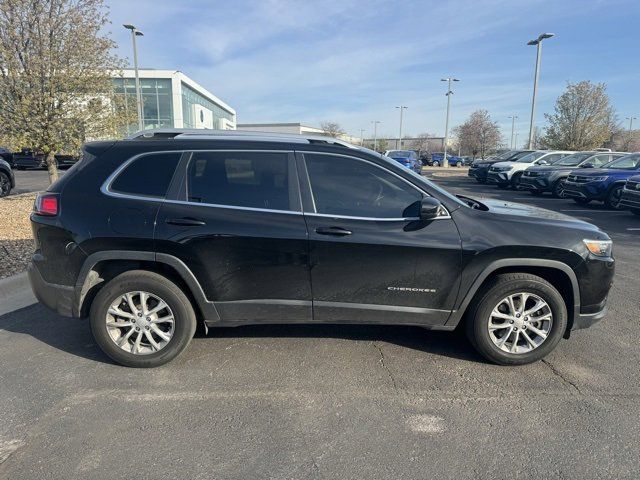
pixel 148 175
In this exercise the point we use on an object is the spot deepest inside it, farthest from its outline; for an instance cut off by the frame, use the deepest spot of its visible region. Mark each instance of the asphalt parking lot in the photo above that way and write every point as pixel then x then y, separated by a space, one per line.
pixel 322 401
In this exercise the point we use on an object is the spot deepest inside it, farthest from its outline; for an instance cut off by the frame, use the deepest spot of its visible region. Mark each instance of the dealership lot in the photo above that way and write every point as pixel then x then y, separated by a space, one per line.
pixel 329 401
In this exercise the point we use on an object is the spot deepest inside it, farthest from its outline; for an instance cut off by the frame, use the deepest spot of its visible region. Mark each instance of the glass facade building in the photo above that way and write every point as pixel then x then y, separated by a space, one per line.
pixel 170 99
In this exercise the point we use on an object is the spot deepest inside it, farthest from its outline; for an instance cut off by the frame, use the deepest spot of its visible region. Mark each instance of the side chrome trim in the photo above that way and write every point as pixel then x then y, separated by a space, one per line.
pixel 373 219
pixel 374 306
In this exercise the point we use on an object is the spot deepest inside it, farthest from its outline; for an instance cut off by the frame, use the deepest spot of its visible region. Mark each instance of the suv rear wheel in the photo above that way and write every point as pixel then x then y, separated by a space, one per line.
pixel 141 319
pixel 516 318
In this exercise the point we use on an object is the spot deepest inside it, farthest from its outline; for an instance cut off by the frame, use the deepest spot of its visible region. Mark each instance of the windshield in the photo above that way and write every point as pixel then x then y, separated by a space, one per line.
pixel 518 155
pixel 573 160
pixel 505 155
pixel 399 154
pixel 628 162
pixel 531 157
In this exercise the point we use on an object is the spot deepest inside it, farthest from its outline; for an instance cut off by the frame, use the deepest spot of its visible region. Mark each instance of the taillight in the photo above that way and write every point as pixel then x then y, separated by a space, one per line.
pixel 47 204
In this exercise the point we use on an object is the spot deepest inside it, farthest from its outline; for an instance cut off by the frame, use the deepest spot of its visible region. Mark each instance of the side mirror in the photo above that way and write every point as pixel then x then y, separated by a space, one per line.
pixel 542 162
pixel 429 208
pixel 587 165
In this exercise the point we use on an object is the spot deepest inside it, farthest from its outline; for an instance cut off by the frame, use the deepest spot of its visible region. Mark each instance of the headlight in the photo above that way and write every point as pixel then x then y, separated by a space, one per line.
pixel 599 179
pixel 544 174
pixel 600 248
pixel 503 169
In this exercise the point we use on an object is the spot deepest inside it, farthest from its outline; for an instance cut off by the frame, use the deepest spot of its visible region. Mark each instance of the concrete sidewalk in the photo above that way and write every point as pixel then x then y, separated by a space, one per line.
pixel 15 293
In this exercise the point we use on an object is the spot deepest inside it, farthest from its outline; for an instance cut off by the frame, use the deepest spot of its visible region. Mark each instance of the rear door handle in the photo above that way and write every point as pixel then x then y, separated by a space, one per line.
pixel 185 222
pixel 335 231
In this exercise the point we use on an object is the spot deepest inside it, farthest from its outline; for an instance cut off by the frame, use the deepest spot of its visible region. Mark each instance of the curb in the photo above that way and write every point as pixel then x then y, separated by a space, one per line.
pixel 15 293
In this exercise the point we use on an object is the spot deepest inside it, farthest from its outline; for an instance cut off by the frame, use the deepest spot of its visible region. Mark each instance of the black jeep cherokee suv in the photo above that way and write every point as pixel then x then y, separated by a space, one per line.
pixel 150 235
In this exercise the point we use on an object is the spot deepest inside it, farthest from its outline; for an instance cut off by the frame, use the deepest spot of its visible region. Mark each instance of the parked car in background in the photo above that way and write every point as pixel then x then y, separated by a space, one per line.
pixel 153 236
pixel 479 169
pixel 28 159
pixel 550 178
pixel 406 158
pixel 630 198
pixel 602 184
pixel 6 155
pixel 508 174
pixel 437 159
pixel 7 179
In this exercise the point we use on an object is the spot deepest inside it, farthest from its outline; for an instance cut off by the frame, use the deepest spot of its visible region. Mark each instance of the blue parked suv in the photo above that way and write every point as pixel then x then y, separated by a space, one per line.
pixel 406 158
pixel 602 184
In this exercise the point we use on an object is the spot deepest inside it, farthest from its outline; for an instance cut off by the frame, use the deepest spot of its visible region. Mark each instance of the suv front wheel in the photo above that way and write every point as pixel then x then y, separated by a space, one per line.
pixel 141 319
pixel 516 318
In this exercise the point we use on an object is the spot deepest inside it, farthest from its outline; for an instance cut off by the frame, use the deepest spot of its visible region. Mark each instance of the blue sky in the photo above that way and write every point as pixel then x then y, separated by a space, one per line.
pixel 353 61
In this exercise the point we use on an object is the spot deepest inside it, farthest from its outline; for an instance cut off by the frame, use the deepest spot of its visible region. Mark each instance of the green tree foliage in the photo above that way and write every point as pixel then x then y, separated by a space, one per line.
pixel 584 118
pixel 56 66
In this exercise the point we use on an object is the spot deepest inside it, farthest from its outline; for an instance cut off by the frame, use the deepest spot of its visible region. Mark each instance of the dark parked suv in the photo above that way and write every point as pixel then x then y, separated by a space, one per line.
pixel 149 236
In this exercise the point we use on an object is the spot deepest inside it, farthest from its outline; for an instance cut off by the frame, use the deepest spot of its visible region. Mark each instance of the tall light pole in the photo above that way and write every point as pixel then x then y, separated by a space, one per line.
pixel 136 33
pixel 538 43
pixel 375 134
pixel 402 108
pixel 631 119
pixel 516 142
pixel 362 137
pixel 513 128
pixel 445 162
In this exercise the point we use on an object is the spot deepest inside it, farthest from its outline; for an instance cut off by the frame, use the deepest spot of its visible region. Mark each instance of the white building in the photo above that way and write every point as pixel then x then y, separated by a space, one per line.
pixel 171 99
pixel 295 128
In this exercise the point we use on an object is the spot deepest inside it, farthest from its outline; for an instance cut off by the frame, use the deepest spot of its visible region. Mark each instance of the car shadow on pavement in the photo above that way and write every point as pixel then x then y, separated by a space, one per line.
pixel 74 337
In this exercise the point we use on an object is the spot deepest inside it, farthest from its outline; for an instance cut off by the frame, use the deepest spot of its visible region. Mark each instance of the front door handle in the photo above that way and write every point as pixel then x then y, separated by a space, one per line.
pixel 335 231
pixel 185 222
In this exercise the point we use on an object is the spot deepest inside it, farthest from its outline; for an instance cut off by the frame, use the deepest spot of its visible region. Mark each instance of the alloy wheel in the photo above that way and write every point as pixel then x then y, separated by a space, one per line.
pixel 520 323
pixel 140 323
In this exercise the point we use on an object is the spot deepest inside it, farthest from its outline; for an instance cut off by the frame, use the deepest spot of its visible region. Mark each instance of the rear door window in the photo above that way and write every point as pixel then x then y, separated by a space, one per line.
pixel 148 175
pixel 243 179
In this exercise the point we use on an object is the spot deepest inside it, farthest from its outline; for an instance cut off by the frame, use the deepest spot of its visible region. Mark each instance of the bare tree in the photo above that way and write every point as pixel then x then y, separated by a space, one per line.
pixel 479 135
pixel 584 118
pixel 331 129
pixel 55 75
pixel 422 143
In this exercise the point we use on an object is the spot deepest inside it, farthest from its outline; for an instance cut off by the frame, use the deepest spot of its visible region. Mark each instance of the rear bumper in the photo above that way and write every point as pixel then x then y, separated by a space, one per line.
pixel 59 298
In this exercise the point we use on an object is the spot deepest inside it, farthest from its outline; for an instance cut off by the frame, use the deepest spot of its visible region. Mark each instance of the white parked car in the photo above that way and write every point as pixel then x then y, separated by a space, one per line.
pixel 505 174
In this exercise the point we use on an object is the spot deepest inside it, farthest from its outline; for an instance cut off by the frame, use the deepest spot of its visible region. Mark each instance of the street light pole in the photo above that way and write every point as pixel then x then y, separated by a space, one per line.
pixel 136 33
pixel 631 119
pixel 362 137
pixel 375 134
pixel 513 128
pixel 401 107
pixel 445 162
pixel 538 43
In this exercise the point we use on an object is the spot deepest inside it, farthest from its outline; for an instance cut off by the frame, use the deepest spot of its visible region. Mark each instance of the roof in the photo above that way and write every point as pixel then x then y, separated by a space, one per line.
pixel 205 134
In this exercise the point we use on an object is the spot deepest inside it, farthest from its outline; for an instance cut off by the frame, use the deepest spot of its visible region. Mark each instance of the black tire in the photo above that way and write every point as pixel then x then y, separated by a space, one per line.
pixel 140 280
pixel 635 211
pixel 435 163
pixel 459 164
pixel 614 197
pixel 581 201
pixel 489 296
pixel 535 193
pixel 5 184
pixel 557 189
pixel 481 180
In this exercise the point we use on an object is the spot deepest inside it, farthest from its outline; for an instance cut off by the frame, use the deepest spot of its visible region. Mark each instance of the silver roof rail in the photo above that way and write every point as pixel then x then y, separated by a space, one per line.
pixel 203 134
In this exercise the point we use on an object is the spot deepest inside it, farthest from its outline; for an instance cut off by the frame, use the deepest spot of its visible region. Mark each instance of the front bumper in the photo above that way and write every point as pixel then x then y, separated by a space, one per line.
pixel 585 320
pixel 500 178
pixel 540 184
pixel 630 199
pixel 59 298
pixel 587 191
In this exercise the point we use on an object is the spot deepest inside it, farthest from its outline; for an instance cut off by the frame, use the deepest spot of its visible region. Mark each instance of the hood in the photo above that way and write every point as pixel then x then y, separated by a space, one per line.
pixel 598 172
pixel 503 164
pixel 521 210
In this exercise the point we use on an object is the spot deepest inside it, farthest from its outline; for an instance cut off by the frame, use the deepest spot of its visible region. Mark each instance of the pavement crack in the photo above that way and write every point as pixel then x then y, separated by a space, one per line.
pixel 384 365
pixel 561 376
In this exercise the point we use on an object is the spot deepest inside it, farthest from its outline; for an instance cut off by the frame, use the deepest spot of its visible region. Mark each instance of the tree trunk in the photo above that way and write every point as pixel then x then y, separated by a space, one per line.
pixel 52 167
